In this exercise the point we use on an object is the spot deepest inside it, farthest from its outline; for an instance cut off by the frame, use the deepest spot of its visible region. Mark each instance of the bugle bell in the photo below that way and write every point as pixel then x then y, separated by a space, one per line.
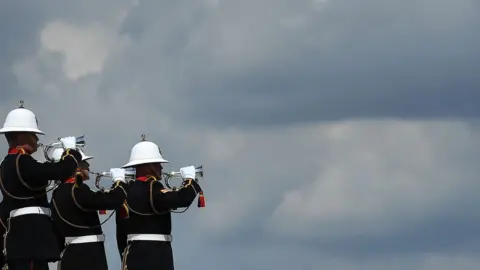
pixel 130 174
pixel 80 142
pixel 170 175
pixel 47 148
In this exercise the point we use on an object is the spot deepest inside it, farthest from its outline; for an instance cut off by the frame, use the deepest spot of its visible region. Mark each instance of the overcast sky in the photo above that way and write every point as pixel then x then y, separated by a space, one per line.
pixel 335 134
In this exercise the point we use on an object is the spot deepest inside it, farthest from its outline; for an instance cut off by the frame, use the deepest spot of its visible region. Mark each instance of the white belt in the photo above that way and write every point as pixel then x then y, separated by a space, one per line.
pixel 85 239
pixel 30 210
pixel 149 237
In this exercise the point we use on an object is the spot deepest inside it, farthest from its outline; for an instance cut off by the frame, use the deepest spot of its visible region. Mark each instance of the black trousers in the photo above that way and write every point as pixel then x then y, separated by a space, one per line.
pixel 27 265
pixel 151 255
pixel 85 256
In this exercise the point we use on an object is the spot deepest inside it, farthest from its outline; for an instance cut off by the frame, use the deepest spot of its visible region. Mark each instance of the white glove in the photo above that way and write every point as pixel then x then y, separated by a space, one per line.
pixel 118 174
pixel 188 172
pixel 69 142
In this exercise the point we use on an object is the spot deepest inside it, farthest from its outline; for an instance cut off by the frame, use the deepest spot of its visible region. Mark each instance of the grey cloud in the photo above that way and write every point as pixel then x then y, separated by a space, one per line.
pixel 287 256
pixel 248 171
pixel 437 236
pixel 18 29
pixel 450 232
pixel 374 59
pixel 287 63
pixel 234 70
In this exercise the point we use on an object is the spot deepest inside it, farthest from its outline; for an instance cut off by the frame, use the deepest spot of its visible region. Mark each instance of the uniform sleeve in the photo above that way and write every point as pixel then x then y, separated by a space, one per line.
pixel 92 200
pixel 39 174
pixel 164 199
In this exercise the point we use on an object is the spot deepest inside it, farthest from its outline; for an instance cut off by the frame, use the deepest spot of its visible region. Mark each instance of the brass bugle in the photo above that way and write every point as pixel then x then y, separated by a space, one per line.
pixel 170 175
pixel 130 174
pixel 79 141
pixel 198 173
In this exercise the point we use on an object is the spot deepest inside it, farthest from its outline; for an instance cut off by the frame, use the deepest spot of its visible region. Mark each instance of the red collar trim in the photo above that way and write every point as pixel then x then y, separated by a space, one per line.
pixel 146 178
pixel 16 150
pixel 70 180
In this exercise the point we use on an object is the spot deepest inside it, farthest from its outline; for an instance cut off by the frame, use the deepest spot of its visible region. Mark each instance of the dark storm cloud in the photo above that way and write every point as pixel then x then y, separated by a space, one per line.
pixel 237 64
pixel 385 60
pixel 442 234
pixel 408 59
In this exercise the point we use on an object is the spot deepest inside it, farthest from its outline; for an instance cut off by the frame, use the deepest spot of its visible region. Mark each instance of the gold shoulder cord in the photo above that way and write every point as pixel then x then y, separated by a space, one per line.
pixel 7 226
pixel 125 255
pixel 189 183
pixel 81 208
pixel 24 184
pixel 21 178
pixel 126 251
pixel 67 153
pixel 155 211
pixel 76 225
pixel 5 266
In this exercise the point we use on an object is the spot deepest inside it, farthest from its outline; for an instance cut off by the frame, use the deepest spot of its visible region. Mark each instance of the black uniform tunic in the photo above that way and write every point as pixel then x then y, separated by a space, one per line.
pixel 151 254
pixel 30 238
pixel 78 205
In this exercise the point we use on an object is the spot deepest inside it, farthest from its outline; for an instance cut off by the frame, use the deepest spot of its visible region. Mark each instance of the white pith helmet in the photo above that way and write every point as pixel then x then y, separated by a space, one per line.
pixel 21 120
pixel 145 152
pixel 57 155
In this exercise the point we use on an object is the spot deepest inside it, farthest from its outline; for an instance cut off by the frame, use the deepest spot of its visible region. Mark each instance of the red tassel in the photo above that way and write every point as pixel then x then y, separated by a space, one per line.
pixel 102 212
pixel 201 199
